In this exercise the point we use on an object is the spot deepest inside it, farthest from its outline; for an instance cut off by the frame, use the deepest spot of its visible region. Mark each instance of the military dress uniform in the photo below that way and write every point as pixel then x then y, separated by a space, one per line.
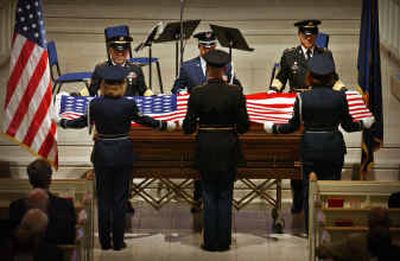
pixel 112 154
pixel 218 111
pixel 293 68
pixel 321 110
pixel 192 73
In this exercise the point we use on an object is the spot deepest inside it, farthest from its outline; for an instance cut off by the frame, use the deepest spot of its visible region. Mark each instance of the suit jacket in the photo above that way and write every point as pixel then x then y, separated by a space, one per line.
pixel 191 75
pixel 293 68
pixel 112 118
pixel 62 219
pixel 321 110
pixel 217 103
pixel 136 85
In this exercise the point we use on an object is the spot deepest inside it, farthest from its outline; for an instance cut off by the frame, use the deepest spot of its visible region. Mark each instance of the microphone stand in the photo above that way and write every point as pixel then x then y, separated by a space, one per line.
pixel 181 35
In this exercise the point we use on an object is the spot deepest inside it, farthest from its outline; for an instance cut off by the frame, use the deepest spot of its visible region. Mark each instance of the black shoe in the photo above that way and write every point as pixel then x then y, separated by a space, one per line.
pixel 119 247
pixel 296 210
pixel 210 249
pixel 106 247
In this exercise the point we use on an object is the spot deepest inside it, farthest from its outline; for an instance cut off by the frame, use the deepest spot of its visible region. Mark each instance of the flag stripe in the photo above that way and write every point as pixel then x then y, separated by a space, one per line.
pixel 48 142
pixel 23 58
pixel 40 115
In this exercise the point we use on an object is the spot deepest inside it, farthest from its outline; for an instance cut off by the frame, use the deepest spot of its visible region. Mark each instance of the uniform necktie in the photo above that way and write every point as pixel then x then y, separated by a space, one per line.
pixel 308 54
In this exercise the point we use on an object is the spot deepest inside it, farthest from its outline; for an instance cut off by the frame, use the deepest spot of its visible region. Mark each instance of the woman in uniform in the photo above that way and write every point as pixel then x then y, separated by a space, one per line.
pixel 112 155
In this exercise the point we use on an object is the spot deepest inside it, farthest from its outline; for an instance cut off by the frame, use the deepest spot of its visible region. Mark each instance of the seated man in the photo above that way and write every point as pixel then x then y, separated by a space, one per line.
pixel 119 47
pixel 29 243
pixel 61 211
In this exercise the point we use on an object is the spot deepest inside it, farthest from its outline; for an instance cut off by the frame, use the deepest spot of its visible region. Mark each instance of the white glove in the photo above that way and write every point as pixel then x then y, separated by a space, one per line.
pixel 180 124
pixel 54 114
pixel 268 126
pixel 367 122
pixel 171 126
pixel 271 91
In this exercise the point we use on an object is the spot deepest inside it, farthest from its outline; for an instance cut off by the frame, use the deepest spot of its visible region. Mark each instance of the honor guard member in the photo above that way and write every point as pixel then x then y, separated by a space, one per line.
pixel 119 47
pixel 321 110
pixel 112 155
pixel 218 111
pixel 293 67
pixel 293 64
pixel 193 73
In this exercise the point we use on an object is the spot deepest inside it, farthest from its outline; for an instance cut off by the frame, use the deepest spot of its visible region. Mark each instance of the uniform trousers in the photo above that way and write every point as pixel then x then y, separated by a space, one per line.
pixel 217 197
pixel 112 186
pixel 325 170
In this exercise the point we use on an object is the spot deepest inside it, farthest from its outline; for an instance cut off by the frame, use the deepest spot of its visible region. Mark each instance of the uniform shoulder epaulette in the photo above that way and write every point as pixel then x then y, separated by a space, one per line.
pixel 291 49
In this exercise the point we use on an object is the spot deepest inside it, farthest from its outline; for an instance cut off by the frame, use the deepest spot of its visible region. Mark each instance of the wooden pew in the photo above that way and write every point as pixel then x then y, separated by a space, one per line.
pixel 358 198
pixel 12 189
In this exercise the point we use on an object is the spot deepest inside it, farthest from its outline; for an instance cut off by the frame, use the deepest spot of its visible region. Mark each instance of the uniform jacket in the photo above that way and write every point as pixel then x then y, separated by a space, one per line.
pixel 62 219
pixel 293 67
pixel 216 103
pixel 112 118
pixel 321 110
pixel 191 75
pixel 136 85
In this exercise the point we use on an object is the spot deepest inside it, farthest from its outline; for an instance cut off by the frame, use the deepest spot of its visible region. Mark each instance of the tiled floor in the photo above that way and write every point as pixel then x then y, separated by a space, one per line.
pixel 173 233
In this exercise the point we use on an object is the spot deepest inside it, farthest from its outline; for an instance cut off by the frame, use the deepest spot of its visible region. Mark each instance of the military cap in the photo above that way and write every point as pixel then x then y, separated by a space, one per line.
pixel 113 74
pixel 217 58
pixel 206 39
pixel 308 27
pixel 321 64
pixel 117 37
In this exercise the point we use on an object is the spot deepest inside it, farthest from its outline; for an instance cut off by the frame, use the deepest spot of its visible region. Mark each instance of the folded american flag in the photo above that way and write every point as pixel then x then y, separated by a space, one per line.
pixel 277 107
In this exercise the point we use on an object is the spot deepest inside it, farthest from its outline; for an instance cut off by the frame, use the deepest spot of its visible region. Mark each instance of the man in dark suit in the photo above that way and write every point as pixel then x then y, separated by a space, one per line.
pixel 218 111
pixel 193 73
pixel 119 48
pixel 321 110
pixel 61 211
pixel 113 155
pixel 293 68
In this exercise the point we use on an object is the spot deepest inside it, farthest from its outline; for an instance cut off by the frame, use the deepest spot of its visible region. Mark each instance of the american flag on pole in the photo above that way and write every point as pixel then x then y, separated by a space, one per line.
pixel 261 107
pixel 28 99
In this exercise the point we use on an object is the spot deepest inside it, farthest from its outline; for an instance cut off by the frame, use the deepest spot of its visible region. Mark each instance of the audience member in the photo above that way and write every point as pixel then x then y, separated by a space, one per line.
pixel 61 212
pixel 29 243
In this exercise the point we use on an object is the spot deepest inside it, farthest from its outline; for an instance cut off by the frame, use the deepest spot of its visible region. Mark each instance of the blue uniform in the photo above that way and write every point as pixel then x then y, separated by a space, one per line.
pixel 112 158
pixel 321 110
